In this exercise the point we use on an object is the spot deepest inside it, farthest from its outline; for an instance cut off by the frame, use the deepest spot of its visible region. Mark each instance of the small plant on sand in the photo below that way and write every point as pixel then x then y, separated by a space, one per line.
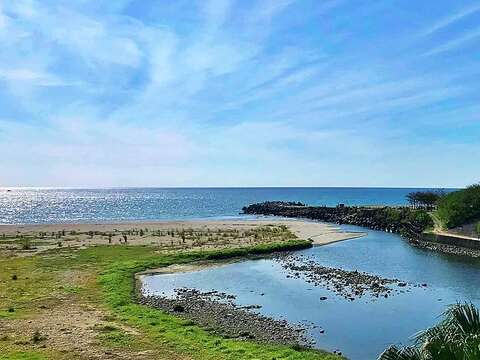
pixel 14 277
pixel 37 337
pixel 105 328
pixel 26 243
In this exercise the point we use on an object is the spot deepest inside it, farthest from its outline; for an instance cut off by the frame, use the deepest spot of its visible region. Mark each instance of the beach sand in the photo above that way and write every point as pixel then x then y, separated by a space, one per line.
pixel 169 234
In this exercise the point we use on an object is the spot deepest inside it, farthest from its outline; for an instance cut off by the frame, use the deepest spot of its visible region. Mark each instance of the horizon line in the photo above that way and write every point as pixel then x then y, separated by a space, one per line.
pixel 2 188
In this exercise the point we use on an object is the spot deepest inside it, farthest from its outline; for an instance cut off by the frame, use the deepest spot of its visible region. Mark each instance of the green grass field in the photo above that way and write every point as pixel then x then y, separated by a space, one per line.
pixel 101 279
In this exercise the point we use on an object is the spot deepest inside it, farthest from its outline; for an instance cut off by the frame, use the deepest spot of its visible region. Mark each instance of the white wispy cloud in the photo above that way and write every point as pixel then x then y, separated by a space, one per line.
pixel 458 42
pixel 30 76
pixel 451 19
pixel 265 11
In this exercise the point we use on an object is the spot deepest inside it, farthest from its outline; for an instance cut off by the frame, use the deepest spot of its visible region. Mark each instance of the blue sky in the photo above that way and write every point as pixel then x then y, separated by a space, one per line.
pixel 239 93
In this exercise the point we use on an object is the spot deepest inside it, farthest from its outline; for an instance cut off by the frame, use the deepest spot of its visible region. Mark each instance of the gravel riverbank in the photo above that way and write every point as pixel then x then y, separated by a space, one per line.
pixel 348 284
pixel 218 312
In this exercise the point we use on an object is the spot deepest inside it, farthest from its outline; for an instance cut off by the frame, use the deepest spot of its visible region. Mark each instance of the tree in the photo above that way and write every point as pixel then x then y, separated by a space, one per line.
pixel 477 229
pixel 412 199
pixel 424 199
pixel 457 336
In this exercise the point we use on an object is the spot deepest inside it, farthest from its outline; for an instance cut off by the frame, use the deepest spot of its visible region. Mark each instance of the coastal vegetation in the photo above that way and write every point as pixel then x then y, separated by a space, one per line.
pixel 459 207
pixel 66 303
pixel 163 236
pixel 456 337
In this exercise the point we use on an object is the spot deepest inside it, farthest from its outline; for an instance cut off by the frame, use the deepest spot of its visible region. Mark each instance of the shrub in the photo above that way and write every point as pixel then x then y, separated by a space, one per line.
pixel 460 207
pixel 37 337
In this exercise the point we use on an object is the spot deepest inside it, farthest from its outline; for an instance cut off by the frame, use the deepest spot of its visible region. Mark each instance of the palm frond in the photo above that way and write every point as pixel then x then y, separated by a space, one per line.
pixel 464 317
pixel 456 337
pixel 407 353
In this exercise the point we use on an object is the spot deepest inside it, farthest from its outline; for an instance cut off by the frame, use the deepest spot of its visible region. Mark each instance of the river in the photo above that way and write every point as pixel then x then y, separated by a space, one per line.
pixel 360 329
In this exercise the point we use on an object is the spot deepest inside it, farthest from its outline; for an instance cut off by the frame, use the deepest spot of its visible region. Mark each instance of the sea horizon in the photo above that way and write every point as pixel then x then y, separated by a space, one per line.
pixel 143 204
pixel 219 187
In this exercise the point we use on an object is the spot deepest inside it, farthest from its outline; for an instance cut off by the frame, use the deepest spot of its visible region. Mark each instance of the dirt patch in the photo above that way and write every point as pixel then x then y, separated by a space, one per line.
pixel 71 328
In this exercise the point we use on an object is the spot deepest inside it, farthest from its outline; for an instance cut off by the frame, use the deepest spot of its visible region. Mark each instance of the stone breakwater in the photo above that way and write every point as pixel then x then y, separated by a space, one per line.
pixel 401 220
pixel 218 312
pixel 348 284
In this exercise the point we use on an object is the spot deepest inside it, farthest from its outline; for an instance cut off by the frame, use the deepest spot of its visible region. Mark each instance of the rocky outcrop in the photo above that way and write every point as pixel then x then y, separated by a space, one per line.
pixel 401 220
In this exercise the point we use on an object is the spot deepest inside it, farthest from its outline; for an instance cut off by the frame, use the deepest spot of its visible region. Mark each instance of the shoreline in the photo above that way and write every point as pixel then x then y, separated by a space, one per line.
pixel 319 233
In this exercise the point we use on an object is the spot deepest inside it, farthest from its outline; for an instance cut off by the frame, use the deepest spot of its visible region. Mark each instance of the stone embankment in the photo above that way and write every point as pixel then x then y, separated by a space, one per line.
pixel 410 223
pixel 401 220
pixel 452 249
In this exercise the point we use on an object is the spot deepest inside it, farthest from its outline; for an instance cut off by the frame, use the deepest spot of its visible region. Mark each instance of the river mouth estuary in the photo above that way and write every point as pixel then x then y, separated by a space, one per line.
pixel 355 297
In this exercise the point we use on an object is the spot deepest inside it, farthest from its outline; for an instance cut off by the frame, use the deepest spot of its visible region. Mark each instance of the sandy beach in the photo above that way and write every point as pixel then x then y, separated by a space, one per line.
pixel 168 234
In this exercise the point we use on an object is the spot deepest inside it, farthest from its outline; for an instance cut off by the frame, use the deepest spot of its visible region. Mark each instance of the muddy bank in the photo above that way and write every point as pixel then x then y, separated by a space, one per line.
pixel 348 284
pixel 217 312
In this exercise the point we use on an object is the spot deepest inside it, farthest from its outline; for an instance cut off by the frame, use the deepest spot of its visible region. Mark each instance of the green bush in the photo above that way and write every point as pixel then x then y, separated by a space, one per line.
pixel 420 217
pixel 460 207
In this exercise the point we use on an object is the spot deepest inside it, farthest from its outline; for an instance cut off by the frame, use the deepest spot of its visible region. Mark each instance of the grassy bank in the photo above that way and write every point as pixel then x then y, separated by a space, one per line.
pixel 96 285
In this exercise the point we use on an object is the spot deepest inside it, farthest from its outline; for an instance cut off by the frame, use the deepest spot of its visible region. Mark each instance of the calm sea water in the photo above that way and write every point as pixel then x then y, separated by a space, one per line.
pixel 29 206
pixel 360 329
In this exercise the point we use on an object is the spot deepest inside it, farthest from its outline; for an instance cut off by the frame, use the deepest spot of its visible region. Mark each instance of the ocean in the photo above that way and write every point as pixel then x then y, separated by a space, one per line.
pixel 39 206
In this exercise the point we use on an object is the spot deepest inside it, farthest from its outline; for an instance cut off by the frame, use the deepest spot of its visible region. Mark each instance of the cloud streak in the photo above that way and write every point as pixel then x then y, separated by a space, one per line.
pixel 456 43
pixel 452 19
